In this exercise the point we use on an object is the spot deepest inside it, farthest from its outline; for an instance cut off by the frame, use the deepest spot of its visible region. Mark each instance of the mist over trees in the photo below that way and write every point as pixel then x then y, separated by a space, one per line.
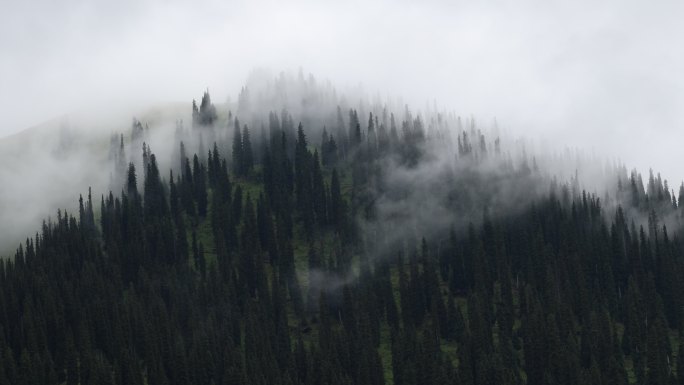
pixel 304 239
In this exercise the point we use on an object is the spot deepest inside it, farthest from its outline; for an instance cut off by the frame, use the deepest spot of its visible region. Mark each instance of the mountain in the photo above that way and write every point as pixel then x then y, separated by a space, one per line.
pixel 295 237
pixel 46 166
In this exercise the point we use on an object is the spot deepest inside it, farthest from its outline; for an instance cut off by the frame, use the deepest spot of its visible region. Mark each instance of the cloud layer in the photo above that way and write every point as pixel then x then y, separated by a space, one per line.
pixel 604 76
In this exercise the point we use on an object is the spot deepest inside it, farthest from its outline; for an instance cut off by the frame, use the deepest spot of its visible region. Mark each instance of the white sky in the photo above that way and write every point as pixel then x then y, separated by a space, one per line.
pixel 606 76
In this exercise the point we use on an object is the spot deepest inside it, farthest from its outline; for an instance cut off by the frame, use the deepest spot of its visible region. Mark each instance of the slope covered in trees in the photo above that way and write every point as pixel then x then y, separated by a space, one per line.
pixel 407 251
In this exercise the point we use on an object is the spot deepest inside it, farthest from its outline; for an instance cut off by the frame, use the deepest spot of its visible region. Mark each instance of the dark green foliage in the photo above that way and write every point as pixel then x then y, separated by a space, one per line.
pixel 329 150
pixel 205 115
pixel 199 186
pixel 243 155
pixel 247 161
pixel 237 149
pixel 273 271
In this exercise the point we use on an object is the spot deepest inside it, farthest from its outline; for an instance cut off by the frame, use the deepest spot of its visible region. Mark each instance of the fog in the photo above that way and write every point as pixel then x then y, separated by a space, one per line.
pixel 603 78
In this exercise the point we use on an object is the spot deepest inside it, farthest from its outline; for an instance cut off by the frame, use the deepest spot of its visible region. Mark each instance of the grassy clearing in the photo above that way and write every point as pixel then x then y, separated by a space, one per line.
pixel 385 351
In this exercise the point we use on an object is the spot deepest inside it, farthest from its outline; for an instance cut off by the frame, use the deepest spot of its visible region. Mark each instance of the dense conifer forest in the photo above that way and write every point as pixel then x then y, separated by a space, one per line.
pixel 299 240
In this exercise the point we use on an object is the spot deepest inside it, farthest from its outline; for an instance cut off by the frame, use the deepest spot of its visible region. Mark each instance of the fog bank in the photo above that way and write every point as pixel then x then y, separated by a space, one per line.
pixel 604 76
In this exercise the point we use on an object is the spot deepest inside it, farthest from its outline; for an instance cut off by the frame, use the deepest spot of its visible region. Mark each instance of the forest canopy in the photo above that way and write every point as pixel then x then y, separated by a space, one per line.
pixel 301 240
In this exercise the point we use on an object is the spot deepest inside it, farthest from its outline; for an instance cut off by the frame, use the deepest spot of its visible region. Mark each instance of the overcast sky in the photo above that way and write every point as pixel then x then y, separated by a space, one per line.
pixel 606 76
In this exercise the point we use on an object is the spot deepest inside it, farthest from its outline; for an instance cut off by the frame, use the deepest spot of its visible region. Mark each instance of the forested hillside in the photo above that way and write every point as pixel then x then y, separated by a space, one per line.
pixel 355 247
